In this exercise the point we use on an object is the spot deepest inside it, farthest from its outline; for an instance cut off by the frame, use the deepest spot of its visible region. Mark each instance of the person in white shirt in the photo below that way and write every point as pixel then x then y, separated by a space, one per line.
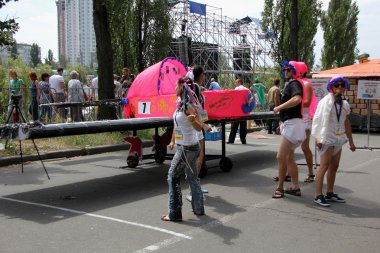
pixel 94 90
pixel 57 85
pixel 242 125
pixel 331 129
pixel 185 135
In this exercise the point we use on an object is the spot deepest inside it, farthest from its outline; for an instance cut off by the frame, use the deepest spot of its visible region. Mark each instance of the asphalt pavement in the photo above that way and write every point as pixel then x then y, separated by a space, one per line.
pixel 94 204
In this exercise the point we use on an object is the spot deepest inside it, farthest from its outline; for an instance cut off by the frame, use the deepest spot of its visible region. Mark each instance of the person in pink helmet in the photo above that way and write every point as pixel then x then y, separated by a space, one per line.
pixel 307 114
pixel 292 131
pixel 331 129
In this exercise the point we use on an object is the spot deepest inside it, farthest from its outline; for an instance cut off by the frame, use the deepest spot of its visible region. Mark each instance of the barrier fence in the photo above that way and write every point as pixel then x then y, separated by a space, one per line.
pixel 83 109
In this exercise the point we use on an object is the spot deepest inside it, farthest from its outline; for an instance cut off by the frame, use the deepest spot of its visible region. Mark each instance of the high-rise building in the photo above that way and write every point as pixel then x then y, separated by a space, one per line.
pixel 79 35
pixel 61 29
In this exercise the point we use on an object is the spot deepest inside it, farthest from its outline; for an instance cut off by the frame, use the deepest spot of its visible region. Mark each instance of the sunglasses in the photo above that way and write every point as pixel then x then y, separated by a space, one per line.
pixel 336 85
pixel 286 69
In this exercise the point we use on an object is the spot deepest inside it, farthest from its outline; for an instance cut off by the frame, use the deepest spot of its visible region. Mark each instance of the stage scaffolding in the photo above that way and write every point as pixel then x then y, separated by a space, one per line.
pixel 227 48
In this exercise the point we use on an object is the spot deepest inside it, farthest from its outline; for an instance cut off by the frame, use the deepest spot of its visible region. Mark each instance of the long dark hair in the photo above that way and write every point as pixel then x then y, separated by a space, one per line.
pixel 188 97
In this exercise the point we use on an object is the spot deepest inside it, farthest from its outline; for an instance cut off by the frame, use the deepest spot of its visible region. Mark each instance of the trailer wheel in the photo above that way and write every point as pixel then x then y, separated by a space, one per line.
pixel 225 164
pixel 203 171
pixel 132 161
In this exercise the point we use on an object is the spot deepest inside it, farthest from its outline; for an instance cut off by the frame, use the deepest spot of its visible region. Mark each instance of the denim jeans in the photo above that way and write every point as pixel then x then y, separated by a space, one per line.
pixel 184 161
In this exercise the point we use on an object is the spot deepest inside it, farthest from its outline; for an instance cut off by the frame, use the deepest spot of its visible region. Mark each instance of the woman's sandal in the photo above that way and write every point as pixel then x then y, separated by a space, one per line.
pixel 166 218
pixel 287 179
pixel 278 193
pixel 309 179
pixel 294 192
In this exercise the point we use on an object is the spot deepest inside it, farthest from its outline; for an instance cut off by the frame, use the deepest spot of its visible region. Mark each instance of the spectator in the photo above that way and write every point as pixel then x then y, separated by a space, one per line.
pixel 214 85
pixel 16 88
pixel 273 101
pixel 126 81
pixel 45 95
pixel 241 125
pixel 117 86
pixel 33 108
pixel 260 92
pixel 75 94
pixel 94 89
pixel 57 85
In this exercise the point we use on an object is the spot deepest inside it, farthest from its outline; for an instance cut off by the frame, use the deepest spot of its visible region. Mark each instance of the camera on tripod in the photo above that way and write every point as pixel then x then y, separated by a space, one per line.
pixel 15 98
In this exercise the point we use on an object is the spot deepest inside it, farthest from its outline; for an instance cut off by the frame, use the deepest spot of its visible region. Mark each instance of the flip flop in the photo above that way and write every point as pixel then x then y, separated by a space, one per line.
pixel 166 218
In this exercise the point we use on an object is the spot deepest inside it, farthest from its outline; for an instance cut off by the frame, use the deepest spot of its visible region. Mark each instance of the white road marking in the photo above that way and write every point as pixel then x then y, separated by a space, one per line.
pixel 100 217
pixel 205 227
pixel 170 241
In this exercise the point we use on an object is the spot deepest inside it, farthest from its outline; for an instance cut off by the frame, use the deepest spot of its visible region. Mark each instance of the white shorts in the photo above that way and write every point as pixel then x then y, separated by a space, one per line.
pixel 294 131
pixel 325 147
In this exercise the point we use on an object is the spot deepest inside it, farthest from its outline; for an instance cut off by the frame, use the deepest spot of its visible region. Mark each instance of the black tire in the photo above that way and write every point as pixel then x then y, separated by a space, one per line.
pixel 204 170
pixel 132 161
pixel 225 164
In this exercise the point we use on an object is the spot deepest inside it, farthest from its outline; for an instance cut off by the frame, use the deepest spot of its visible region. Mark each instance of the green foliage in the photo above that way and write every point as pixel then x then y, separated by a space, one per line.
pixel 276 22
pixel 140 31
pixel 49 60
pixel 7 28
pixel 35 53
pixel 340 26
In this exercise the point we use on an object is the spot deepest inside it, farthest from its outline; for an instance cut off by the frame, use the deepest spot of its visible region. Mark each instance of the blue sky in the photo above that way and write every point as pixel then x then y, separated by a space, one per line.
pixel 38 21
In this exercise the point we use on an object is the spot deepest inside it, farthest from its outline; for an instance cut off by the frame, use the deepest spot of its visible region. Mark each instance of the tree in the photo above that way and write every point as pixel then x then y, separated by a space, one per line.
pixel 340 26
pixel 105 58
pixel 8 27
pixel 291 26
pixel 50 58
pixel 141 32
pixel 35 55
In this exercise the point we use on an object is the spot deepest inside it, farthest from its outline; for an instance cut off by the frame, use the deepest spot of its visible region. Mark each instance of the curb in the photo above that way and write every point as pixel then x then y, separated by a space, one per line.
pixel 67 153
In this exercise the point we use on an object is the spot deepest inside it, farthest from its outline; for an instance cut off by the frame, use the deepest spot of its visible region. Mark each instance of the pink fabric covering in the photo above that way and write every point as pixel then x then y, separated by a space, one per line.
pixel 152 94
pixel 225 104
pixel 313 102
pixel 219 104
pixel 159 79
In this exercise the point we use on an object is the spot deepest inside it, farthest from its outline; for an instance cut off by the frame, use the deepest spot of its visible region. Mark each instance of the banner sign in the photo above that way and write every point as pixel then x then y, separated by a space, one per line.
pixel 368 89
pixel 319 86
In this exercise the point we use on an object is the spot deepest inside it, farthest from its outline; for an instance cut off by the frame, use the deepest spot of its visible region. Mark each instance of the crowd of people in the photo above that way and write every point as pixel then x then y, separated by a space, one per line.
pixel 51 89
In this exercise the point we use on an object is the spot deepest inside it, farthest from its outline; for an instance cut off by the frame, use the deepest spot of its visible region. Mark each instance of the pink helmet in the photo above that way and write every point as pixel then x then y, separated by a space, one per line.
pixel 302 68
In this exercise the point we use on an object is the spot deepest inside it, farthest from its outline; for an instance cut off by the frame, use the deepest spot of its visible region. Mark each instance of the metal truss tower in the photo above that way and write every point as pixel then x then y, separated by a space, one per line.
pixel 227 48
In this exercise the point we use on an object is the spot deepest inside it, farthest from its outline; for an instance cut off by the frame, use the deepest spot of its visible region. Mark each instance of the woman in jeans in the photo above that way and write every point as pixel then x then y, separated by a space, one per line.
pixel 185 135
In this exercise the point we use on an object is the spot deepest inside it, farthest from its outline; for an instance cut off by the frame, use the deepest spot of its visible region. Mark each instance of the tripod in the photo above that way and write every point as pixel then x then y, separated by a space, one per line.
pixel 20 118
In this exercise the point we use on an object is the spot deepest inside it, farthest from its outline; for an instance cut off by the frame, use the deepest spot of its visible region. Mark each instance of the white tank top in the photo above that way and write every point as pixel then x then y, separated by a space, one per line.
pixel 184 132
